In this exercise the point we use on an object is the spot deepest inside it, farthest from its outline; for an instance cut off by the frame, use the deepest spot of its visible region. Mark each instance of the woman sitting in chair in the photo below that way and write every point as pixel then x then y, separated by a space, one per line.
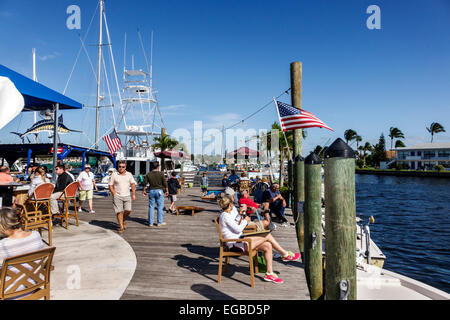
pixel 232 224
pixel 38 177
pixel 16 241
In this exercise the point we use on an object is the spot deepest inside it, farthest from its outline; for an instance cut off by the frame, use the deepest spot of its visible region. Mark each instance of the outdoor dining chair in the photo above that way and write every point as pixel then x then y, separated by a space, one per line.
pixel 27 276
pixel 36 220
pixel 41 196
pixel 69 194
pixel 224 252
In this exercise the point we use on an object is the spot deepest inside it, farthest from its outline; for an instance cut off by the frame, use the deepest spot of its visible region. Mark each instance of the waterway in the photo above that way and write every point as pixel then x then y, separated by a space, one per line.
pixel 412 224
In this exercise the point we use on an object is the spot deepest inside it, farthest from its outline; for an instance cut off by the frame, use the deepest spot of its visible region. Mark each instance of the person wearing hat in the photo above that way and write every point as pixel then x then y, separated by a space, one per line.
pixel 87 184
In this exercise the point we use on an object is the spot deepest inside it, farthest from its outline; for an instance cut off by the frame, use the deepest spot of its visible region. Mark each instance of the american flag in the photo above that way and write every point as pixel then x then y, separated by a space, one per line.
pixel 292 118
pixel 113 142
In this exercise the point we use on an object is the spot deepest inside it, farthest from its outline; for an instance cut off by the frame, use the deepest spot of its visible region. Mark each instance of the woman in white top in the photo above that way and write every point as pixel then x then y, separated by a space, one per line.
pixel 16 241
pixel 37 179
pixel 232 225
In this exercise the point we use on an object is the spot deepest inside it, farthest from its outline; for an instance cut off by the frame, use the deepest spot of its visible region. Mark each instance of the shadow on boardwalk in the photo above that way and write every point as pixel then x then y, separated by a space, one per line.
pixel 180 260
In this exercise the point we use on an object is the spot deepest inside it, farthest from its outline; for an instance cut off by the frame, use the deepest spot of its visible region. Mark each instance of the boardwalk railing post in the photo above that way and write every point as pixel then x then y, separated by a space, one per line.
pixel 299 192
pixel 340 222
pixel 313 225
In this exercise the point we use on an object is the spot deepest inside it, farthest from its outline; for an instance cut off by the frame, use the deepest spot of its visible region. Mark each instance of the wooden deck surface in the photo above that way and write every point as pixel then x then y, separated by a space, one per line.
pixel 180 260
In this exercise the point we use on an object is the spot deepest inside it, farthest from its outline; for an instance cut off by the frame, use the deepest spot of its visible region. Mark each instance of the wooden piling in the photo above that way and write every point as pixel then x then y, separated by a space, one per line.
pixel 313 225
pixel 299 192
pixel 340 222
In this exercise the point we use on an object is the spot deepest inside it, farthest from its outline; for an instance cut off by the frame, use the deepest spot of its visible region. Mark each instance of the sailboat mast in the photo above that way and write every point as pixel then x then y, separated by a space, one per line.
pixel 34 79
pixel 97 116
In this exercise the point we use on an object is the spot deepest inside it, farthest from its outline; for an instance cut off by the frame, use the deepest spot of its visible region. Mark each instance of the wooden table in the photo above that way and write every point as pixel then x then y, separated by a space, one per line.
pixel 192 208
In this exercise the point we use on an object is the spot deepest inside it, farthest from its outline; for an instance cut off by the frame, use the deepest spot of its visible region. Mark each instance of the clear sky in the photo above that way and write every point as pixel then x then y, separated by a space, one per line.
pixel 219 61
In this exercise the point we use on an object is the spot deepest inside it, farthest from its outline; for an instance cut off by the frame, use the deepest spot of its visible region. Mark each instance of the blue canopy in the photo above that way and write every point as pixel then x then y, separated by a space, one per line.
pixel 37 96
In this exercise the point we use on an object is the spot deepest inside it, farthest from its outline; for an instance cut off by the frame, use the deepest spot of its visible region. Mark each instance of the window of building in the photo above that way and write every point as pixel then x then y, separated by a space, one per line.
pixel 412 153
pixel 429 154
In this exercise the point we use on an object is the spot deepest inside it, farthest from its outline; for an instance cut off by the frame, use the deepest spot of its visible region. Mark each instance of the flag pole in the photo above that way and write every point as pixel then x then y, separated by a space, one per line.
pixel 279 118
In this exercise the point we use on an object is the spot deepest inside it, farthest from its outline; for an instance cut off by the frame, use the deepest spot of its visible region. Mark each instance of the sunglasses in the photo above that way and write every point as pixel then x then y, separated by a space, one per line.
pixel 122 166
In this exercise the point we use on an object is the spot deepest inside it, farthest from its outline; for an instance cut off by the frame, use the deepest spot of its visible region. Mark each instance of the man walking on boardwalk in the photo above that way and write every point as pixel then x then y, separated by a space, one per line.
pixel 157 189
pixel 119 185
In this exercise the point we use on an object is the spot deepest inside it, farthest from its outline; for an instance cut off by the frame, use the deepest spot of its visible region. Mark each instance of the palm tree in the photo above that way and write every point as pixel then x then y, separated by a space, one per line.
pixel 435 128
pixel 165 142
pixel 349 135
pixel 358 139
pixel 395 133
pixel 367 147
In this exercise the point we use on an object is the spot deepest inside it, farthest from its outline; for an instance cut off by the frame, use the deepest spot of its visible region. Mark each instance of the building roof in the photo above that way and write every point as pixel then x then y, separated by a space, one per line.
pixel 427 146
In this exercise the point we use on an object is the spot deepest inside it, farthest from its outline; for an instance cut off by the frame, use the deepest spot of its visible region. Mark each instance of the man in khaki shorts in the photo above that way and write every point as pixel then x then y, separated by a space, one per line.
pixel 87 184
pixel 119 185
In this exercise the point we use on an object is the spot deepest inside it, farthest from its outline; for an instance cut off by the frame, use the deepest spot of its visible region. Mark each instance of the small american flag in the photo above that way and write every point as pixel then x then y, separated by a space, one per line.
pixel 292 118
pixel 113 142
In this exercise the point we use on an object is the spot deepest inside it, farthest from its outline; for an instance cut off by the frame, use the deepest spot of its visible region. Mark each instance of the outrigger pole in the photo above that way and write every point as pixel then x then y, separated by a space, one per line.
pixel 97 115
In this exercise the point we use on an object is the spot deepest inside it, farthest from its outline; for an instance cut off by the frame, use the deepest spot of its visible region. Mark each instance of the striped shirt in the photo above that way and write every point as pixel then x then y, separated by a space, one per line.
pixel 14 247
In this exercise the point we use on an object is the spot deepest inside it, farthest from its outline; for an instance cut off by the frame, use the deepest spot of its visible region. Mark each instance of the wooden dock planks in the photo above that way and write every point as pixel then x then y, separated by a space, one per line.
pixel 180 260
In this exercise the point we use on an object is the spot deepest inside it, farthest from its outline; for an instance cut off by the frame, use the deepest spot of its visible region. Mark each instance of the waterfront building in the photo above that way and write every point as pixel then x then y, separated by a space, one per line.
pixel 425 156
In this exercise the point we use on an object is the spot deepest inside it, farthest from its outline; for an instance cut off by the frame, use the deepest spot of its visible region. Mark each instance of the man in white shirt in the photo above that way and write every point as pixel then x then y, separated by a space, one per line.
pixel 119 185
pixel 87 184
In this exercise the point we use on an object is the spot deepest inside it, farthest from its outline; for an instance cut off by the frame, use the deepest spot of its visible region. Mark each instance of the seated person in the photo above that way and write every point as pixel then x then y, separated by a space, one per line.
pixel 244 177
pixel 233 178
pixel 232 224
pixel 273 200
pixel 16 241
pixel 253 207
pixel 38 178
pixel 5 175
pixel 225 181
pixel 61 183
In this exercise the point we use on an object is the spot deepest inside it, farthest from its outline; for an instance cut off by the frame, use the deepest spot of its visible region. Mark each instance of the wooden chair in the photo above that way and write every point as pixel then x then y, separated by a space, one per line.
pixel 36 220
pixel 27 276
pixel 226 253
pixel 42 195
pixel 69 194
pixel 183 185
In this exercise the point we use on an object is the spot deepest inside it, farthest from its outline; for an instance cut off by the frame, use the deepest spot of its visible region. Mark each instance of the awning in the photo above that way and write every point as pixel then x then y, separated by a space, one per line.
pixel 37 96
pixel 243 152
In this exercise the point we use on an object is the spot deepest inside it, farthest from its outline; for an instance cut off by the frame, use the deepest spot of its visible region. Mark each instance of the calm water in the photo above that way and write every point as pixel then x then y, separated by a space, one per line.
pixel 412 224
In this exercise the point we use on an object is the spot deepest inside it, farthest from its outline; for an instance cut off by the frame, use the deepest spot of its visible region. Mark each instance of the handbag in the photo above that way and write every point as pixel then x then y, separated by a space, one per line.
pixel 262 265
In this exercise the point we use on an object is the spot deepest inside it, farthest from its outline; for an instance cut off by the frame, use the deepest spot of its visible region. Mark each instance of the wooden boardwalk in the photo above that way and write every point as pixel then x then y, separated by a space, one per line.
pixel 180 260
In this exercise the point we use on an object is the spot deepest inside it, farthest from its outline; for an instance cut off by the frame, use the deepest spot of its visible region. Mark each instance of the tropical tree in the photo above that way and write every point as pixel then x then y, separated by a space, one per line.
pixel 435 128
pixel 366 148
pixel 379 152
pixel 358 139
pixel 165 142
pixel 399 144
pixel 349 135
pixel 395 133
pixel 319 151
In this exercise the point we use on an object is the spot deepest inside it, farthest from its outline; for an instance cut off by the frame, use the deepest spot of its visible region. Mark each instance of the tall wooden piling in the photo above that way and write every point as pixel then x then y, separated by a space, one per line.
pixel 340 222
pixel 313 225
pixel 299 192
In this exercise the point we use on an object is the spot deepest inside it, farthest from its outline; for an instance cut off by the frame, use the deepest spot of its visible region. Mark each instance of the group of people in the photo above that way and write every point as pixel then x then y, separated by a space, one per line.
pixel 233 222
pixel 37 175
pixel 156 187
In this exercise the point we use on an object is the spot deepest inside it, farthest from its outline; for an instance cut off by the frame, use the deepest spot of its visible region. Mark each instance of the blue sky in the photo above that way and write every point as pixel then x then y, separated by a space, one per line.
pixel 219 61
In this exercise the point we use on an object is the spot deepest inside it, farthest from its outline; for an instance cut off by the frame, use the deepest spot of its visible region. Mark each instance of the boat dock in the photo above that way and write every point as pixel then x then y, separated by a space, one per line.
pixel 180 260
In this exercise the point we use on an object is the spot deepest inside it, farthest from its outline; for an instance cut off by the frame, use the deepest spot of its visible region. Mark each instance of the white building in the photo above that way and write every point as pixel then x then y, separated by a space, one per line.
pixel 426 155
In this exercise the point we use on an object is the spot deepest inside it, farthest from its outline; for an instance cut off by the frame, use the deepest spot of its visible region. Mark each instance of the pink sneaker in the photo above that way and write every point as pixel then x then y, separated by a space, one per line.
pixel 291 256
pixel 272 278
